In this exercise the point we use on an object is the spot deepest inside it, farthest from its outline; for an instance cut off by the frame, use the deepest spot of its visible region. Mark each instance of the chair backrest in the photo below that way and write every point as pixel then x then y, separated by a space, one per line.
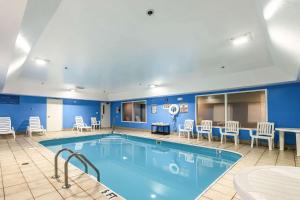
pixel 188 124
pixel 93 120
pixel 79 121
pixel 34 123
pixel 5 124
pixel 206 125
pixel 265 128
pixel 232 127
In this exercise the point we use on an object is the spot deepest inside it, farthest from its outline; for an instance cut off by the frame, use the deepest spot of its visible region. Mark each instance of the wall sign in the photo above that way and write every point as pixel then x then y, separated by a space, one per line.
pixel 166 106
pixel 184 107
pixel 153 109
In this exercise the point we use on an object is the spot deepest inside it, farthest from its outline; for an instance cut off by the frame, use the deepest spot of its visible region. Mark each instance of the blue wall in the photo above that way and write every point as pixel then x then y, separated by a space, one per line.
pixel 283 109
pixel 86 109
pixel 37 106
pixel 20 113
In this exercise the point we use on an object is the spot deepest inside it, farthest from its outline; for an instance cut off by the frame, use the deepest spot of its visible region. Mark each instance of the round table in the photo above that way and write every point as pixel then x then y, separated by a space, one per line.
pixel 268 183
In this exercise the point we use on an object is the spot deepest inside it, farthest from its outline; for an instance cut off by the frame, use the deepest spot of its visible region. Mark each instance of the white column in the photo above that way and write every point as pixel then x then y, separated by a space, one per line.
pixel 298 143
pixel 281 140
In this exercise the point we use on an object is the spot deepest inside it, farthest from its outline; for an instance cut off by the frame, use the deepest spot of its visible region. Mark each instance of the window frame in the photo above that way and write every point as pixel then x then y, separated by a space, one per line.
pixel 226 101
pixel 146 108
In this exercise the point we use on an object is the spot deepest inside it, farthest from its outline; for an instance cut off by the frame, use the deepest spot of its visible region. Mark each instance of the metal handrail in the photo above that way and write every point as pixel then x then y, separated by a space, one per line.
pixel 72 152
pixel 67 185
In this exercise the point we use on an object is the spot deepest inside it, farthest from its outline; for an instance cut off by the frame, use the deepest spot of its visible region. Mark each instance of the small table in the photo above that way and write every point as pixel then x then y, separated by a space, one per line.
pixel 268 183
pixel 282 131
pixel 160 128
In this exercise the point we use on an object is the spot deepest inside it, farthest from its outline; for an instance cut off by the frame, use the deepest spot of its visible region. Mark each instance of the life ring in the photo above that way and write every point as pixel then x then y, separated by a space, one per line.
pixel 174 169
pixel 174 109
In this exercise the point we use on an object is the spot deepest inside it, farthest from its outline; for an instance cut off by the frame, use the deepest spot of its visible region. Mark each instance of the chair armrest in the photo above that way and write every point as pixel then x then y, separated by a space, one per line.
pixel 180 127
pixel 220 130
pixel 198 128
pixel 251 132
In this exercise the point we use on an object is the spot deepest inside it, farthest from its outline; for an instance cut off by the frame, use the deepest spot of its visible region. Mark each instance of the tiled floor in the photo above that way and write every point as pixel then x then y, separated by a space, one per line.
pixel 27 167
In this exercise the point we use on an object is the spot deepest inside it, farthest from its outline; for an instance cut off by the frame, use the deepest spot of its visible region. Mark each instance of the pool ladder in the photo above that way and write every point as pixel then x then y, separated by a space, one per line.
pixel 80 157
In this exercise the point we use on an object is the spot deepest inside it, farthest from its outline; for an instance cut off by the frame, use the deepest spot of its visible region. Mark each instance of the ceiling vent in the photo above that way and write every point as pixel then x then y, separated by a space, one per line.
pixel 80 87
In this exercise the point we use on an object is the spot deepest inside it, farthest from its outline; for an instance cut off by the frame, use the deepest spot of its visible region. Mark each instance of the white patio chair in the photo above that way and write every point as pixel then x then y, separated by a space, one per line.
pixel 205 128
pixel 95 123
pixel 5 126
pixel 187 128
pixel 231 129
pixel 35 126
pixel 265 131
pixel 80 125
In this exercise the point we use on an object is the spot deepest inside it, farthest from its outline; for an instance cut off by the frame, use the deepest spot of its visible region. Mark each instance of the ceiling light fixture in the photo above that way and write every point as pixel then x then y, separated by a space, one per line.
pixel 41 61
pixel 271 8
pixel 240 40
pixel 72 90
pixel 153 86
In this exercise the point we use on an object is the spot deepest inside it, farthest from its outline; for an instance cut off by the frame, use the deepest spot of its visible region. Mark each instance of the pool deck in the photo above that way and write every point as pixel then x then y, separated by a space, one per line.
pixel 27 167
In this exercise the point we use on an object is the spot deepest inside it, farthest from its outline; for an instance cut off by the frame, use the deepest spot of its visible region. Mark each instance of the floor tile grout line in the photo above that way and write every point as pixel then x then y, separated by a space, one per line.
pixel 20 169
pixel 83 190
pixel 40 171
pixel 2 180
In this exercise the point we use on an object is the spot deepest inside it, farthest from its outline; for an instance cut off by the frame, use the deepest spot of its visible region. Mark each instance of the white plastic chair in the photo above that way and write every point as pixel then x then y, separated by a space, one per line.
pixel 5 126
pixel 231 129
pixel 35 126
pixel 80 125
pixel 264 131
pixel 205 128
pixel 187 128
pixel 95 123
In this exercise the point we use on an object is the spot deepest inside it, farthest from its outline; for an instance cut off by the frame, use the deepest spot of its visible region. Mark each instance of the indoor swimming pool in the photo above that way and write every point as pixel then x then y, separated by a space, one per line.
pixel 141 168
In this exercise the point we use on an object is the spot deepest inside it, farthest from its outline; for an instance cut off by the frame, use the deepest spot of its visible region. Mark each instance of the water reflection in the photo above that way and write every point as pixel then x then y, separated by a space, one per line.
pixel 155 171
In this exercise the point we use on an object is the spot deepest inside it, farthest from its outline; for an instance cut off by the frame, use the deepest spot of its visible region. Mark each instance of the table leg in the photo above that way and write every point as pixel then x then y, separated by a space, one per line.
pixel 281 140
pixel 298 144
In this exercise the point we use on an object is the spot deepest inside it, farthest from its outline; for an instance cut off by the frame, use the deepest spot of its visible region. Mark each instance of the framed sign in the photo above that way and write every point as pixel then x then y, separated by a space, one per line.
pixel 184 107
pixel 166 106
pixel 153 109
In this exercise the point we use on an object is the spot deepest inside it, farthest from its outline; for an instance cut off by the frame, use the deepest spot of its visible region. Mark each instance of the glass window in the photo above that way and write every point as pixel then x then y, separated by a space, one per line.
pixel 134 111
pixel 139 111
pixel 127 112
pixel 211 107
pixel 248 108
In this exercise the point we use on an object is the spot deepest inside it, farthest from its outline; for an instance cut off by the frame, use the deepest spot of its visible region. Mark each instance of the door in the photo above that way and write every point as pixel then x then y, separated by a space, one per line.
pixel 105 115
pixel 54 114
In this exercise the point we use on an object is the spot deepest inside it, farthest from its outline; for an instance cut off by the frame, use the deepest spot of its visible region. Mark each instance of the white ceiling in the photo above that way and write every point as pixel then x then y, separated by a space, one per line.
pixel 115 50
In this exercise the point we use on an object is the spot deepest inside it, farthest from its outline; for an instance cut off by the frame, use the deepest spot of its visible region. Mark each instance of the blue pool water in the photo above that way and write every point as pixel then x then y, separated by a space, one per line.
pixel 139 168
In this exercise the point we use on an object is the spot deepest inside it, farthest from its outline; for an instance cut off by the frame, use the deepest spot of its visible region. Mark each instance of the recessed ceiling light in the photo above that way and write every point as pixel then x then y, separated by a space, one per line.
pixel 41 61
pixel 153 196
pixel 153 86
pixel 271 8
pixel 240 40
